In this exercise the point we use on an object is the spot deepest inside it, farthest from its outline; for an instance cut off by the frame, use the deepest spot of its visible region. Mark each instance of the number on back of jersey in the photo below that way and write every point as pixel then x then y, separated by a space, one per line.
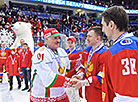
pixel 129 66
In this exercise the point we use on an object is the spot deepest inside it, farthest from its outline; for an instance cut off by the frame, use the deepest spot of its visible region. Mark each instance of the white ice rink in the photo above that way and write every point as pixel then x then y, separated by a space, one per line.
pixel 15 95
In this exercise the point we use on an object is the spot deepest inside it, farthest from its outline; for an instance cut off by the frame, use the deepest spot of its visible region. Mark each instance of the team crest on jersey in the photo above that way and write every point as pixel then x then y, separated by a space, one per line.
pixel 127 41
pixel 90 68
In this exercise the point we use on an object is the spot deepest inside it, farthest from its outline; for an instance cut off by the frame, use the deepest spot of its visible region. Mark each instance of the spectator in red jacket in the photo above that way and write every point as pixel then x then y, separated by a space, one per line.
pixel 4 53
pixel 13 67
pixel 26 63
pixel 9 20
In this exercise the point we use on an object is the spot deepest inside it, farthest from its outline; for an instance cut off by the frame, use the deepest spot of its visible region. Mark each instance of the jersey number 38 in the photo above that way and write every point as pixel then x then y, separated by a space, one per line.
pixel 129 66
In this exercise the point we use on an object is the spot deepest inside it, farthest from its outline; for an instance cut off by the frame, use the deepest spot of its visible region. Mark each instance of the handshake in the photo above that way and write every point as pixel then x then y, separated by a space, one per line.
pixel 77 82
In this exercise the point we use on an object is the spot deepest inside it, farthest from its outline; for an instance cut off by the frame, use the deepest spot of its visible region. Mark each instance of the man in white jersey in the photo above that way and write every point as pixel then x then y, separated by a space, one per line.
pixel 49 64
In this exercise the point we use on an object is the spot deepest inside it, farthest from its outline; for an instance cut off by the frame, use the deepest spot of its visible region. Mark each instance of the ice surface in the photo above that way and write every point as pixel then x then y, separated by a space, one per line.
pixel 15 95
pixel 23 96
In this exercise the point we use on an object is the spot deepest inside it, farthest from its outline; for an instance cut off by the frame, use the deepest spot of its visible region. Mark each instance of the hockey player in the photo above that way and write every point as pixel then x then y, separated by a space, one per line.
pixel 13 68
pixel 26 63
pixel 91 67
pixel 4 53
pixel 120 77
pixel 49 65
pixel 72 48
pixel 74 53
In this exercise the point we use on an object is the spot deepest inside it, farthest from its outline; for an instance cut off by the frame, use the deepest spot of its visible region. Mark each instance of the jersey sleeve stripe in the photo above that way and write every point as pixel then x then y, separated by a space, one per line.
pixel 53 81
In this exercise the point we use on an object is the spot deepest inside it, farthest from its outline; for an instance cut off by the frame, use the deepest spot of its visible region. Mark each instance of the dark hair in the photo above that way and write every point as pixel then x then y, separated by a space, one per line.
pixel 118 15
pixel 98 31
pixel 25 44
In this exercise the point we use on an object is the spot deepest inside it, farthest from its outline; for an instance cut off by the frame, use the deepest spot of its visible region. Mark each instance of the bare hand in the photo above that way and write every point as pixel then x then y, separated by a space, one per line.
pixel 76 83
pixel 27 68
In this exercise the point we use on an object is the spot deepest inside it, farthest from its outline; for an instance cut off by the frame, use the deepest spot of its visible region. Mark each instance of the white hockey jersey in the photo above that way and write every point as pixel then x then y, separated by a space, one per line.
pixel 49 71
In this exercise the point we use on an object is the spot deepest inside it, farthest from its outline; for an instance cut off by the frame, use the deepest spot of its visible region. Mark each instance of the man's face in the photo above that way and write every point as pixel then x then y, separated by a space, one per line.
pixel 25 47
pixel 53 42
pixel 22 42
pixel 71 45
pixel 106 29
pixel 91 38
pixel 3 45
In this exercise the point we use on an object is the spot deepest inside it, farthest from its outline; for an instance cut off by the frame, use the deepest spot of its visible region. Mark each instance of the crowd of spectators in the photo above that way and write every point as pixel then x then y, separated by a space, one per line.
pixel 78 24
pixel 39 25
pixel 128 4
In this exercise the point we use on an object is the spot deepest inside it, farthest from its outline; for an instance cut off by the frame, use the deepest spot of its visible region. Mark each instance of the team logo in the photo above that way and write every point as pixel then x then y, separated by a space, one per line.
pixel 90 68
pixel 127 41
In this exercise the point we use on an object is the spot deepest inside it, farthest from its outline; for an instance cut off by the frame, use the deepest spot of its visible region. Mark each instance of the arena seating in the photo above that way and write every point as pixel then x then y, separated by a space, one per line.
pixel 66 22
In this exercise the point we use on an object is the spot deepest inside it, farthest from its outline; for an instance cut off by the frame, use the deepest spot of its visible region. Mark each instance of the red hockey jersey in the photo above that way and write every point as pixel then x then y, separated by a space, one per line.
pixel 120 78
pixel 74 57
pixel 93 93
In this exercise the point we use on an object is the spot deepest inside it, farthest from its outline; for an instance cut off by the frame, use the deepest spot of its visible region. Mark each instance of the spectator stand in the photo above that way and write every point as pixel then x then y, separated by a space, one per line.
pixel 65 22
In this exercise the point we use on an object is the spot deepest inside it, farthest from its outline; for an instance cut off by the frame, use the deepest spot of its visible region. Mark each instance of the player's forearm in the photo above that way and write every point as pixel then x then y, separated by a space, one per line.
pixel 60 81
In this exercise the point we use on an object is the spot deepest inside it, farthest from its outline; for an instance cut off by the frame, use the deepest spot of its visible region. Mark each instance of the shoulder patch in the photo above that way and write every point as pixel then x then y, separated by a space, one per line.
pixel 127 41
